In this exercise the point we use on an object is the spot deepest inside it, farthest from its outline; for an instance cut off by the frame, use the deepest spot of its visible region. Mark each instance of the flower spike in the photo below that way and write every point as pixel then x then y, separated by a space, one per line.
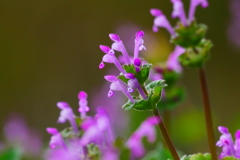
pixel 83 108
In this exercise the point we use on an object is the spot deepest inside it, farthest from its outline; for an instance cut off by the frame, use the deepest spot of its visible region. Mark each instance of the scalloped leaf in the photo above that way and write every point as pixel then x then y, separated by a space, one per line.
pixel 160 153
pixel 154 90
pixel 198 156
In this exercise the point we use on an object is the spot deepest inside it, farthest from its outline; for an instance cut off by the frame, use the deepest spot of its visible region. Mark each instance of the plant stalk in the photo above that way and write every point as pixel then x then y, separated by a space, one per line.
pixel 165 135
pixel 208 114
pixel 164 132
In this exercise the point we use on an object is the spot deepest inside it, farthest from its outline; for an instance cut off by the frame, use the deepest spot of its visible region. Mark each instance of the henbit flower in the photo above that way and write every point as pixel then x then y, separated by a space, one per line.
pixel 178 11
pixel 117 85
pixel 19 135
pixel 226 142
pixel 147 129
pixel 161 21
pixel 237 143
pixel 103 122
pixel 56 139
pixel 110 57
pixel 67 114
pixel 92 133
pixel 83 108
pixel 74 152
pixel 133 83
pixel 193 6
pixel 119 46
pixel 172 62
pixel 138 43
pixel 137 63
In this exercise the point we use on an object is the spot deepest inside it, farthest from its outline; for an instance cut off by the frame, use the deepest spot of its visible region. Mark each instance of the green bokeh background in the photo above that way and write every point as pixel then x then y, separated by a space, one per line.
pixel 49 52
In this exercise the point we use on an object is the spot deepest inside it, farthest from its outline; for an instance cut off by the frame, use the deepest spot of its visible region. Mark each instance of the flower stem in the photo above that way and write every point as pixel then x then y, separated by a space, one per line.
pixel 208 114
pixel 164 132
pixel 167 120
pixel 166 136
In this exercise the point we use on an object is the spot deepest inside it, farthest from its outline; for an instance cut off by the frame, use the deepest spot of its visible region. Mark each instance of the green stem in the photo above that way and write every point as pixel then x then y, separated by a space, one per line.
pixel 208 114
pixel 165 135
pixel 164 132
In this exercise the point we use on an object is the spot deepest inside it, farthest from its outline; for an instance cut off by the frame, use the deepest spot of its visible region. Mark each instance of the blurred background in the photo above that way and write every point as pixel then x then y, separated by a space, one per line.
pixel 50 51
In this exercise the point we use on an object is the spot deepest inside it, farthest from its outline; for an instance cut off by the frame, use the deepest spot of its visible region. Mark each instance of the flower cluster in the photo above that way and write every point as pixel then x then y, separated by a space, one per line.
pixel 93 137
pixel 187 33
pixel 229 148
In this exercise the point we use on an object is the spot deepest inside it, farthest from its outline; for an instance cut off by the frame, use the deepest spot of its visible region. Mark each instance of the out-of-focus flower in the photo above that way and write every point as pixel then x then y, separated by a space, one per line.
pixel 172 61
pixel 147 129
pixel 67 114
pixel 227 143
pixel 18 135
pixel 178 11
pixel 234 27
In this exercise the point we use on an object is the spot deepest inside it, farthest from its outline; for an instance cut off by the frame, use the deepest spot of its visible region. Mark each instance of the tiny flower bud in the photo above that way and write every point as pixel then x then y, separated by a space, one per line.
pixel 114 37
pixel 129 76
pixel 137 62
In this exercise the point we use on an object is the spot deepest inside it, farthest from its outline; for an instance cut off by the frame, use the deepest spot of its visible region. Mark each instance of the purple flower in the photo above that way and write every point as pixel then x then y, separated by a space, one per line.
pixel 178 11
pixel 74 152
pixel 18 134
pixel 147 129
pixel 110 57
pixel 193 6
pixel 229 148
pixel 161 21
pixel 138 43
pixel 67 114
pixel 172 62
pixel 83 108
pixel 117 85
pixel 56 139
pixel 133 83
pixel 234 28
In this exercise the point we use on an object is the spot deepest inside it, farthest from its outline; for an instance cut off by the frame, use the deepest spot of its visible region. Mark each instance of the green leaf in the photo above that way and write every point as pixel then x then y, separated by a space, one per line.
pixel 143 75
pixel 130 69
pixel 173 98
pixel 160 153
pixel 154 90
pixel 229 158
pixel 123 78
pixel 10 154
pixel 198 156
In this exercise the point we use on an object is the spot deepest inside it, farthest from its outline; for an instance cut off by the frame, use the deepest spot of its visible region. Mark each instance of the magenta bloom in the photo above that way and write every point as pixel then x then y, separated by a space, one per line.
pixel 172 62
pixel 178 12
pixel 147 129
pixel 117 85
pixel 67 114
pixel 18 134
pixel 229 148
pixel 83 108
pixel 56 139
